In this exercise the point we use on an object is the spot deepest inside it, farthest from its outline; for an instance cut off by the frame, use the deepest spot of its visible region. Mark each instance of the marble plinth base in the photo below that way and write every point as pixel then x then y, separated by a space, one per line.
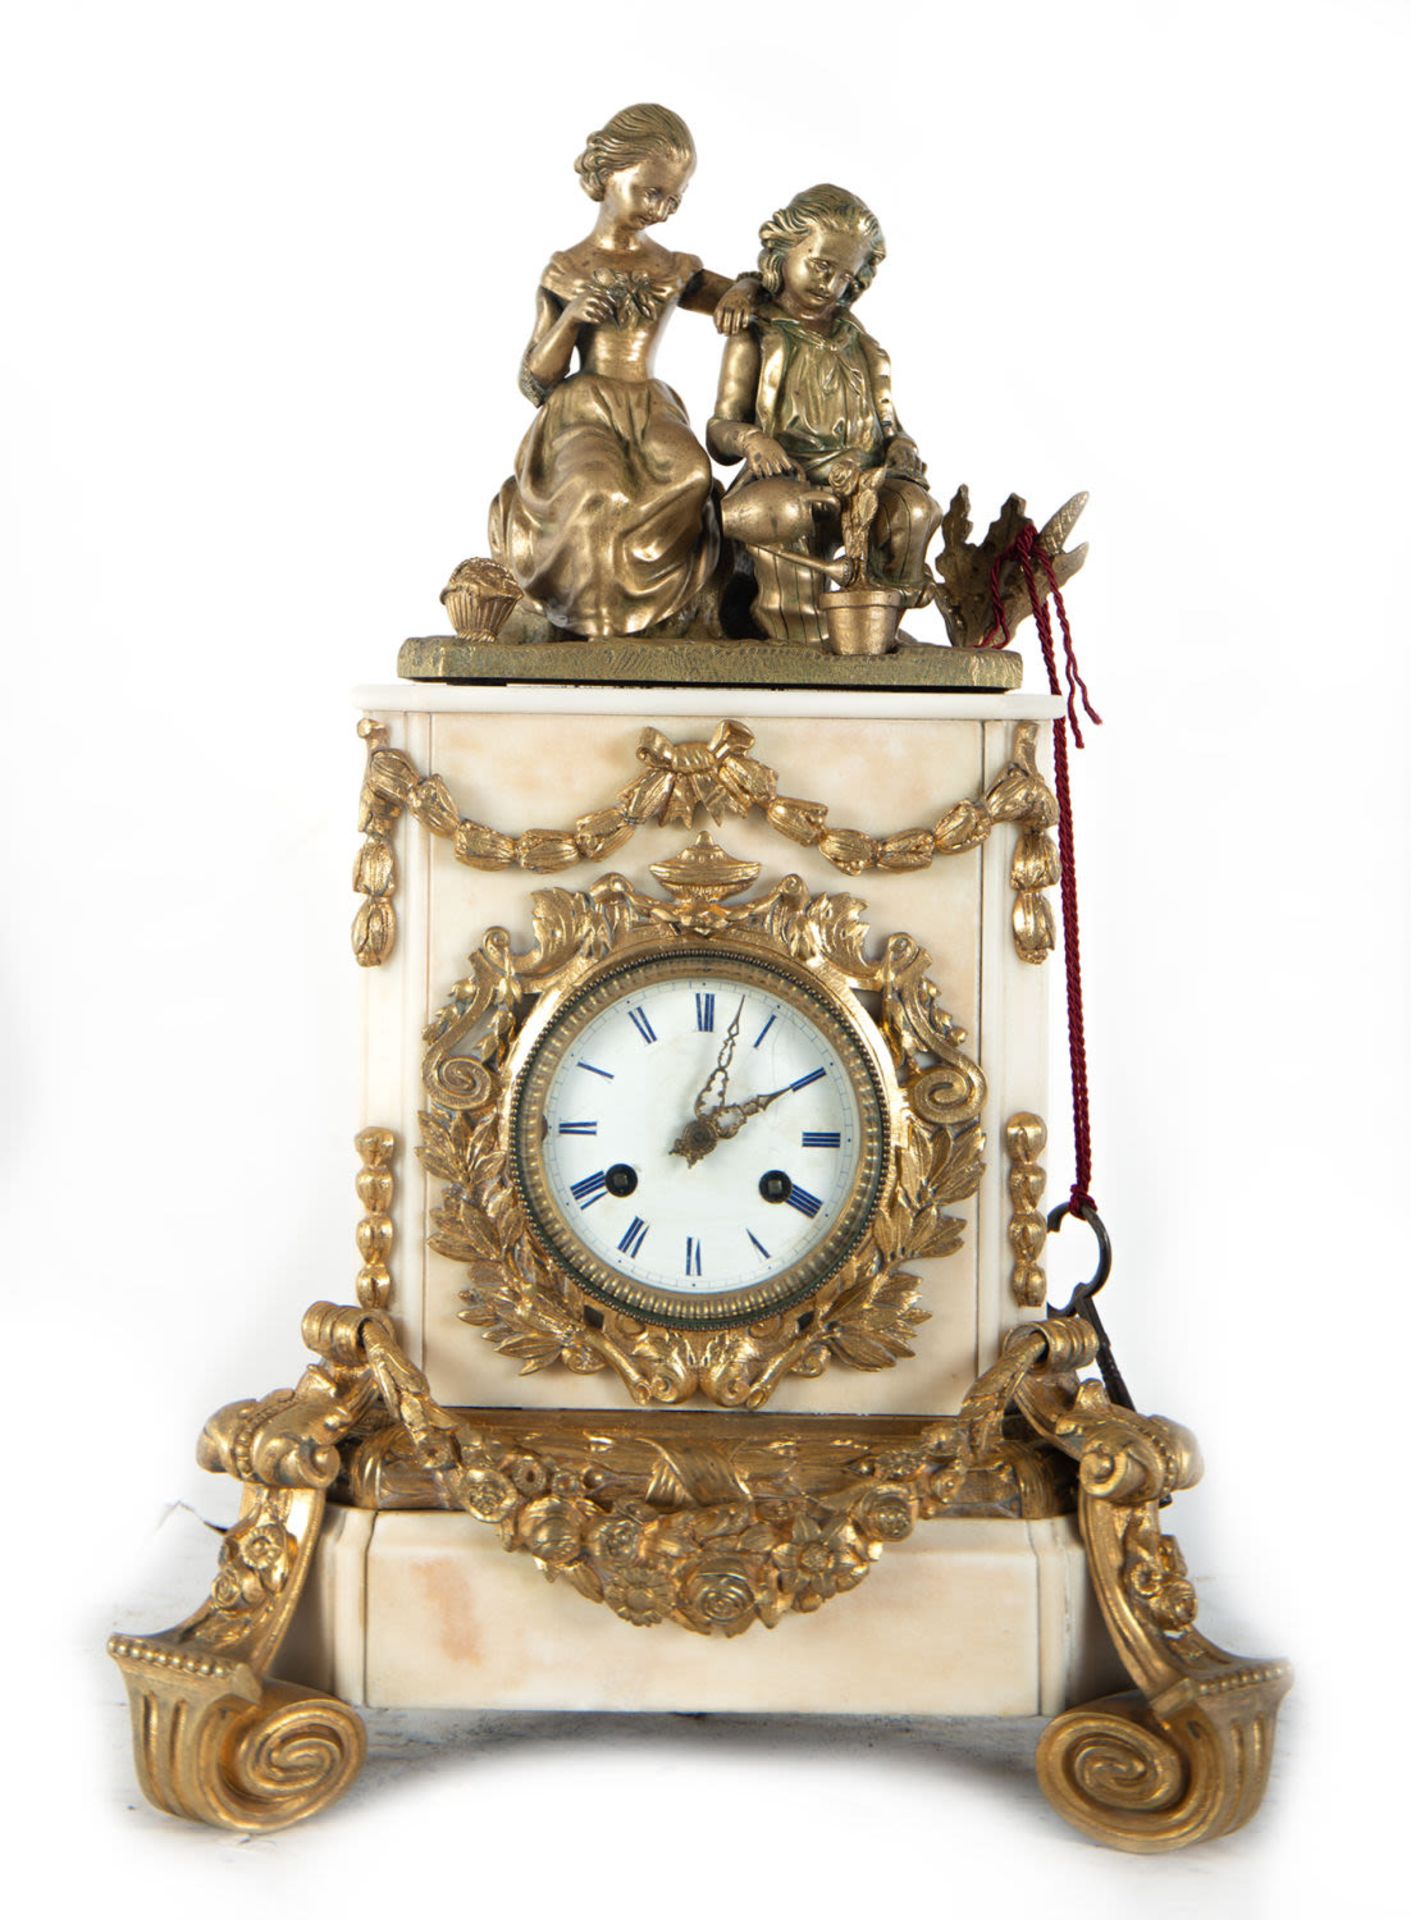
pixel 975 1617
pixel 915 667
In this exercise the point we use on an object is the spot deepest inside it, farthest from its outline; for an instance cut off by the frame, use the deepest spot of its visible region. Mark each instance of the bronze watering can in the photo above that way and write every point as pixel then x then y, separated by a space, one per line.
pixel 765 512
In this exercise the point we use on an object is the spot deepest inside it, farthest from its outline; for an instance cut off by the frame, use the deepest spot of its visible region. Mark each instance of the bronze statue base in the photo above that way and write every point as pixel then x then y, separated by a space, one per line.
pixel 914 667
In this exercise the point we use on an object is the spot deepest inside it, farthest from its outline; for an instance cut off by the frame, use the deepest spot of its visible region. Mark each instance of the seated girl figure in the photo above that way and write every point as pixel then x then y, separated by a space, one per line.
pixel 801 387
pixel 609 523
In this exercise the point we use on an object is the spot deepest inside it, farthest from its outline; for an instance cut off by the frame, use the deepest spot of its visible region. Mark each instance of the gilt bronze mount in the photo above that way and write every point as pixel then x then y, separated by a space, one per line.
pixel 717 777
pixel 809 1506
pixel 543 1299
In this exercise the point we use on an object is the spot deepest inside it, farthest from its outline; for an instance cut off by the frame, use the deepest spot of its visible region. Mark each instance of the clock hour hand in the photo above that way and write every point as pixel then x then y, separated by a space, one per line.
pixel 703 1134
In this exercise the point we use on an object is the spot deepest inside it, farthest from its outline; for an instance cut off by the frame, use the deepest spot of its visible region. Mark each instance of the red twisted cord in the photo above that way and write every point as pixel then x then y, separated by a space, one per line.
pixel 1023 552
pixel 999 634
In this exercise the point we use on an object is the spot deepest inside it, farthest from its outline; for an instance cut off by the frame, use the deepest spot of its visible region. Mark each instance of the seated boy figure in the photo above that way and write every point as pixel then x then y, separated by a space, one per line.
pixel 802 388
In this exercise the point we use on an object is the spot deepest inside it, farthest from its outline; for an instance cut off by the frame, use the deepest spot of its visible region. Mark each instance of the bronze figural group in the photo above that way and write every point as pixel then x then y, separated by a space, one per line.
pixel 613 524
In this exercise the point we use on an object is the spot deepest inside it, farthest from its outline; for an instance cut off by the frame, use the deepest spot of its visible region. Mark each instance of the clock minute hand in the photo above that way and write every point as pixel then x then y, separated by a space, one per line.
pixel 720 1072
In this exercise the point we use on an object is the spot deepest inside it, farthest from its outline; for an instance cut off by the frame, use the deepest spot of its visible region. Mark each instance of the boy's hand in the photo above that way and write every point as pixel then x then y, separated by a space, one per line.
pixel 764 456
pixel 904 457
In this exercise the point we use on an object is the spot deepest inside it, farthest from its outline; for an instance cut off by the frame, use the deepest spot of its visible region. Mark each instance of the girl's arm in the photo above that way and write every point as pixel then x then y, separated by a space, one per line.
pixel 731 301
pixel 550 350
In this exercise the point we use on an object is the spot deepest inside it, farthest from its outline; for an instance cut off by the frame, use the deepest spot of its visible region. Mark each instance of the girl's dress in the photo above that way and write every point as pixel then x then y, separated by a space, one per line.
pixel 609 522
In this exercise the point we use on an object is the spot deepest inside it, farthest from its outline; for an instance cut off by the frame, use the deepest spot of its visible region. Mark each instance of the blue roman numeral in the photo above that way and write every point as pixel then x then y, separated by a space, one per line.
pixel 758 1244
pixel 801 1198
pixel 806 1080
pixel 631 1241
pixel 642 1024
pixel 590 1189
pixel 693 1256
pixel 821 1139
pixel 765 1028
pixel 578 1126
pixel 601 1072
pixel 705 1013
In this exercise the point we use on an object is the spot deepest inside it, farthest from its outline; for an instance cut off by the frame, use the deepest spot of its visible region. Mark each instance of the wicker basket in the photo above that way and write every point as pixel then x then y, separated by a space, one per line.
pixel 479 597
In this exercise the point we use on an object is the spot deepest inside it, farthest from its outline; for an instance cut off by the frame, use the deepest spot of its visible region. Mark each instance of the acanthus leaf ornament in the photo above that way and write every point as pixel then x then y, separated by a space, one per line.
pixel 971 573
pixel 523 1296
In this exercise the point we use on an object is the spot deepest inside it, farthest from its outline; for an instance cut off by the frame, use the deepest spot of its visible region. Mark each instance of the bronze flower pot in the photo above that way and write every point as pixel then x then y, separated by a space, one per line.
pixel 861 619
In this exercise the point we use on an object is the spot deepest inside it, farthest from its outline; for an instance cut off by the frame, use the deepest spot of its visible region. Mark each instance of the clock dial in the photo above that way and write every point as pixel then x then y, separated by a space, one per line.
pixel 700 1137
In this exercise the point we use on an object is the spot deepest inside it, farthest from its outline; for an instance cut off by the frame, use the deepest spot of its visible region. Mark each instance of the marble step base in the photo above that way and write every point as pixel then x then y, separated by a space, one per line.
pixel 966 1617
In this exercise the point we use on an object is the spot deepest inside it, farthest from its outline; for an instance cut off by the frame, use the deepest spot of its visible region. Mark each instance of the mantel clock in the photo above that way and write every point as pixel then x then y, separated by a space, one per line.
pixel 700 1356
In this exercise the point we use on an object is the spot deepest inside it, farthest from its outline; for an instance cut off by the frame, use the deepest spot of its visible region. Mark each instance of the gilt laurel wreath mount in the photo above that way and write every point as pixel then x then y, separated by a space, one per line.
pixel 528 1306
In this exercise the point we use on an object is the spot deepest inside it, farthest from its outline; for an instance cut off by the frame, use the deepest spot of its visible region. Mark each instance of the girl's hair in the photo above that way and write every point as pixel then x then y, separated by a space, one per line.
pixel 826 207
pixel 632 135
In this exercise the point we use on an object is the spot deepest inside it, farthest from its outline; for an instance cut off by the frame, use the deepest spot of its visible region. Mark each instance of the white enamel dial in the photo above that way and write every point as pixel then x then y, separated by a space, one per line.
pixel 700 1136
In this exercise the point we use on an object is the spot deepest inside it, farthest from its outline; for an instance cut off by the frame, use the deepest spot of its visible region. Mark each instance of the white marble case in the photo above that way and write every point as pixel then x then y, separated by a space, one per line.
pixel 974 1616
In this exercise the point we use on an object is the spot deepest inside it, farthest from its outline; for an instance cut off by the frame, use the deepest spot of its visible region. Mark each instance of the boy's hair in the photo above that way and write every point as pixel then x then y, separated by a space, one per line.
pixel 821 206
pixel 630 136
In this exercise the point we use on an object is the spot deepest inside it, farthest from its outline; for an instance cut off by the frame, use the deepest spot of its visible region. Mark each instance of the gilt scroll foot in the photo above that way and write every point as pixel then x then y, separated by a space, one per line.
pixel 213 1738
pixel 1185 1756
pixel 1150 1777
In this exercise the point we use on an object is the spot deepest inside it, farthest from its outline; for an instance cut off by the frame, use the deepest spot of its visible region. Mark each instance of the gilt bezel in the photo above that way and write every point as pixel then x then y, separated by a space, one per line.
pixel 556 1023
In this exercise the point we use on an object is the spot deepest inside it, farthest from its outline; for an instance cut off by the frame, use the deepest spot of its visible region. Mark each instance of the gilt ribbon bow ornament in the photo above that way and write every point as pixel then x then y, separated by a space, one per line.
pixel 717 774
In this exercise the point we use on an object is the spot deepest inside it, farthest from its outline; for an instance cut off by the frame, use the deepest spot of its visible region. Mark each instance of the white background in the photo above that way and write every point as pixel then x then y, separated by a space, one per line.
pixel 270 270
